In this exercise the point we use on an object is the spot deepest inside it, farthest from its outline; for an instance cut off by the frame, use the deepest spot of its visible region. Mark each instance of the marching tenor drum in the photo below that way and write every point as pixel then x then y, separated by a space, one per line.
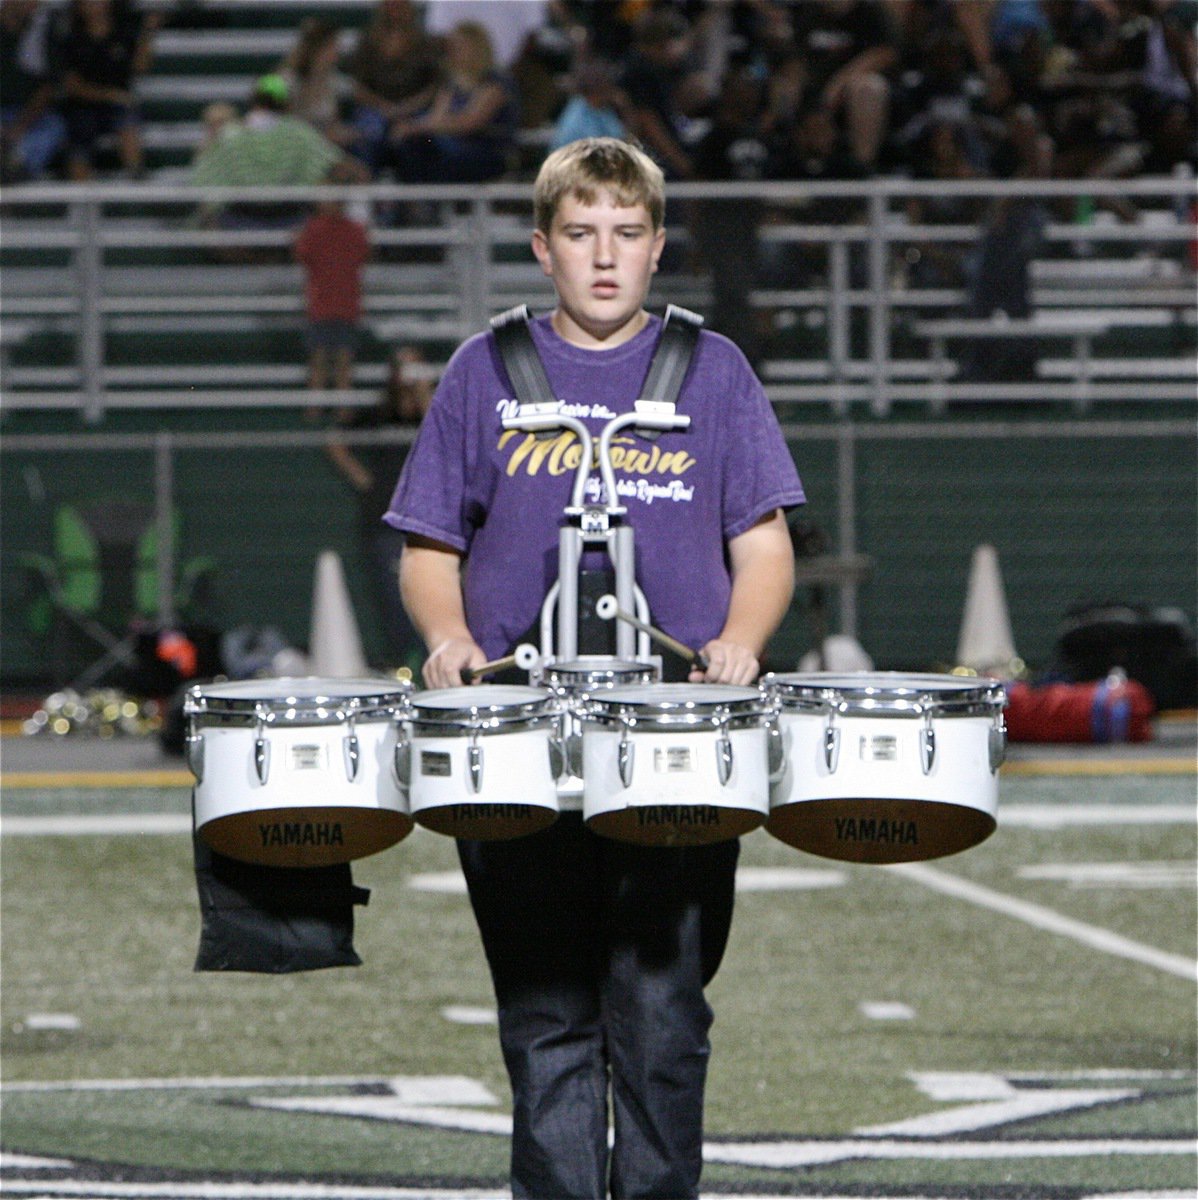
pixel 573 681
pixel 885 767
pixel 676 764
pixel 482 761
pixel 296 772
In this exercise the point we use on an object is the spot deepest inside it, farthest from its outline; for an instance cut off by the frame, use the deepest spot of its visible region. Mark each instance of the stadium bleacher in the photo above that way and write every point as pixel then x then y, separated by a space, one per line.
pixel 115 309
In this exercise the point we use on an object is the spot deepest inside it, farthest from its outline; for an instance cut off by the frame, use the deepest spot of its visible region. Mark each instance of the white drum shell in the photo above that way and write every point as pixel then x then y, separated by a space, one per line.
pixel 881 756
pixel 674 793
pixel 901 785
pixel 468 779
pixel 285 792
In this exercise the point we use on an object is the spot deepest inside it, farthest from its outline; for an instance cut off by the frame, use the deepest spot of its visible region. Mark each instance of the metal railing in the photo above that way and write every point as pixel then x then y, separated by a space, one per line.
pixel 457 256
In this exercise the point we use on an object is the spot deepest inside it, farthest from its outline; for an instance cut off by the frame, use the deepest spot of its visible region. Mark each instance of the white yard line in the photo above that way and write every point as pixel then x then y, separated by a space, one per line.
pixel 1040 917
pixel 101 824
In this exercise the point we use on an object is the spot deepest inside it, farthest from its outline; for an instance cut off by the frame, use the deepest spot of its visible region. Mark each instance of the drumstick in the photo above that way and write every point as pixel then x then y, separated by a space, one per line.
pixel 608 607
pixel 526 657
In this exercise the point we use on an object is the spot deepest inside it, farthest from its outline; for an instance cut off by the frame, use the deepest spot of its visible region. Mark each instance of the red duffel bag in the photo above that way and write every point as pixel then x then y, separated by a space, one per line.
pixel 1115 709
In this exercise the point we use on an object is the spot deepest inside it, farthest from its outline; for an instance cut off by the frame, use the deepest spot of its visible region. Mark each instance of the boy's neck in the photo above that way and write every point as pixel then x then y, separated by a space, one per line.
pixel 597 339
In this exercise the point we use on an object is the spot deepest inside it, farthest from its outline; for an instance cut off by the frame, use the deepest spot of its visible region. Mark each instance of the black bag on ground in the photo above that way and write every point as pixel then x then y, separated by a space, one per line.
pixel 1155 646
pixel 274 920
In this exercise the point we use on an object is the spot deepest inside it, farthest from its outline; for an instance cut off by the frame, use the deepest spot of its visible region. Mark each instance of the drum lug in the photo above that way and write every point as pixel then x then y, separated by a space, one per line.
pixel 624 755
pixel 474 765
pixel 723 758
pixel 261 746
pixel 557 756
pixel 572 753
pixel 261 758
pixel 193 750
pixel 401 761
pixel 998 745
pixel 353 756
pixel 831 747
pixel 927 747
pixel 776 749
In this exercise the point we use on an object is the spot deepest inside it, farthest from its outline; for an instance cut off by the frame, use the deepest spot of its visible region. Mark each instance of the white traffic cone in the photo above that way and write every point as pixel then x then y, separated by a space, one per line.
pixel 985 644
pixel 335 645
pixel 839 653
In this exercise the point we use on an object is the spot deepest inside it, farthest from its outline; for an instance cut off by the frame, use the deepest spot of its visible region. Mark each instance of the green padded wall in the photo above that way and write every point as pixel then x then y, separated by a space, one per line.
pixel 1074 519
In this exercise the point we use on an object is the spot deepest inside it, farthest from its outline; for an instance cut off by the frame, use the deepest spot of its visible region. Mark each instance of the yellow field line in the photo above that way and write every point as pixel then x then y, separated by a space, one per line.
pixel 96 779
pixel 1111 766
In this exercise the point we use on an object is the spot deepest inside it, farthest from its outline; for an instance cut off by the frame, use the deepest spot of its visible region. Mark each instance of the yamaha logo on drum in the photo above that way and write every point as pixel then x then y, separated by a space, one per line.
pixel 301 833
pixel 496 812
pixel 678 814
pixel 870 829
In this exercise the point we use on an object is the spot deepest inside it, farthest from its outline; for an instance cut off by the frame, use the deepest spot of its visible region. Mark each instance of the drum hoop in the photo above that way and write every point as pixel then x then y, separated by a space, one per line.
pixel 566 677
pixel 292 710
pixel 889 696
pixel 483 718
pixel 689 713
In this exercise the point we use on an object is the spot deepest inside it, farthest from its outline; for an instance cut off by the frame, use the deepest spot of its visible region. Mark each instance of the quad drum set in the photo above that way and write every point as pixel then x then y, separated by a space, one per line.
pixel 872 767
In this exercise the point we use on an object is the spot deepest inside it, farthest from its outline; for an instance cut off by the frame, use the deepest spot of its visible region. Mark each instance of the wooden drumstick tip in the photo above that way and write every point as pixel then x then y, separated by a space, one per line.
pixel 527 656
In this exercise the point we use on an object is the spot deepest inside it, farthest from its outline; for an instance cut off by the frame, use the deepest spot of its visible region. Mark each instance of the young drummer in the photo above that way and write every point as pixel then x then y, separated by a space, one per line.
pixel 600 951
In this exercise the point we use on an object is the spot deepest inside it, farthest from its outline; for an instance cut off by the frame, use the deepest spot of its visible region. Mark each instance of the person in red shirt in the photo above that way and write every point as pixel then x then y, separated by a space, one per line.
pixel 333 249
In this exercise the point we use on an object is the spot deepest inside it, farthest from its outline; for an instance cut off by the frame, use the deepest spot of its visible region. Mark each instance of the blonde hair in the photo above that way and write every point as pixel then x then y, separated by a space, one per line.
pixel 479 49
pixel 589 166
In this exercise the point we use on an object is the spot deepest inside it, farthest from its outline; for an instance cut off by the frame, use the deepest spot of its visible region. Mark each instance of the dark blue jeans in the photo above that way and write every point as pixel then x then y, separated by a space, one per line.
pixel 600 952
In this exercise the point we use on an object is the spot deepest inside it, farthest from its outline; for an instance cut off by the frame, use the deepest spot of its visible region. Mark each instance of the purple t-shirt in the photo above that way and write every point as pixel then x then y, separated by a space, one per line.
pixel 498 495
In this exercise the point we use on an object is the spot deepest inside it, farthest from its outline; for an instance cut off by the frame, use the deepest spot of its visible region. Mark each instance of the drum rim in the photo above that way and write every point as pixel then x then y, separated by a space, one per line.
pixel 591 668
pixel 751 707
pixel 538 708
pixel 385 698
pixel 882 693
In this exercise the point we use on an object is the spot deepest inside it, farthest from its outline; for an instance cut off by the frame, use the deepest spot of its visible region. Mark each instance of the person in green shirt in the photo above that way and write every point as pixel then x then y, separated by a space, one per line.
pixel 269 148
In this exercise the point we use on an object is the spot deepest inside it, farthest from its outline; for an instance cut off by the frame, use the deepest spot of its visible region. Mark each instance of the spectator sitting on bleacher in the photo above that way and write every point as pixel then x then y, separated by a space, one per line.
pixel 270 149
pixel 317 89
pixel 940 154
pixel 395 72
pixel 32 131
pixel 218 120
pixel 595 108
pixel 655 70
pixel 809 148
pixel 850 48
pixel 468 135
pixel 106 48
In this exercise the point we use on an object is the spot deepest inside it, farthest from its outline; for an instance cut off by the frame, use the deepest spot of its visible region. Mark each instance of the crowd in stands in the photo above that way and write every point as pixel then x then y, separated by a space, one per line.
pixel 440 90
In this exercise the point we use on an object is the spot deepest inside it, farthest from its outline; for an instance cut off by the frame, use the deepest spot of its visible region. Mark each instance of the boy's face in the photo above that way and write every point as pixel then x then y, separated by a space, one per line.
pixel 601 259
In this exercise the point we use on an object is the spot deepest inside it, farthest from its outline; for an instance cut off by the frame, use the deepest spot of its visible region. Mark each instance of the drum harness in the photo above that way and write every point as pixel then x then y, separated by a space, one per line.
pixel 595 525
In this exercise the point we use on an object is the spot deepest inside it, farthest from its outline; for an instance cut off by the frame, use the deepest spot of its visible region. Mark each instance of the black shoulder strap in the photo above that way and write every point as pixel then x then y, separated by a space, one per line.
pixel 679 333
pixel 672 359
pixel 525 371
